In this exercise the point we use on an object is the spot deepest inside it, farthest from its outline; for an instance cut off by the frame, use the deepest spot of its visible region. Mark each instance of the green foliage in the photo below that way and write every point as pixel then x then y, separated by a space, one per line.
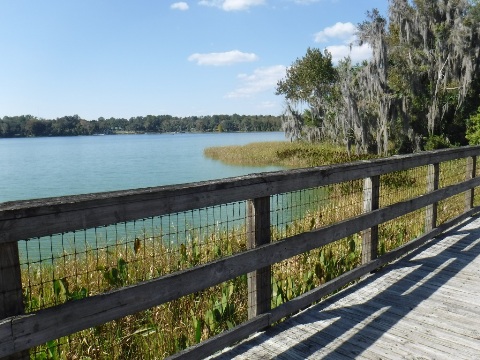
pixel 28 125
pixel 435 142
pixel 221 314
pixel 473 128
pixel 116 276
pixel 309 77
pixel 62 292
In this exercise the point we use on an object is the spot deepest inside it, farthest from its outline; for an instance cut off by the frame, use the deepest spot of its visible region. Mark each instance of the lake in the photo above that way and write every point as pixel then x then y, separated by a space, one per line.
pixel 56 166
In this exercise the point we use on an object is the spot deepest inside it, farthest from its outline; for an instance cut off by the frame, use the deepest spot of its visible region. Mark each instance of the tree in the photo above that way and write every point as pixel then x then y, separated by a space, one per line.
pixel 423 80
pixel 311 80
pixel 435 50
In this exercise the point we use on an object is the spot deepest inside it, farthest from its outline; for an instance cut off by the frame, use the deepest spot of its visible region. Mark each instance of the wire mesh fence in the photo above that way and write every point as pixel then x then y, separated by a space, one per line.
pixel 82 263
pixel 74 265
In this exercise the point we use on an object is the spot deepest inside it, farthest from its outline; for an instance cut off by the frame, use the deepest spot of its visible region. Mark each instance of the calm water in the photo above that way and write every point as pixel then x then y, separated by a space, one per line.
pixel 44 167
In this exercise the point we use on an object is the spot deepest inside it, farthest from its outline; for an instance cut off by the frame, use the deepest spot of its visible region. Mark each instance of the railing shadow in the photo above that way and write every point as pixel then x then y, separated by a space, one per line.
pixel 387 308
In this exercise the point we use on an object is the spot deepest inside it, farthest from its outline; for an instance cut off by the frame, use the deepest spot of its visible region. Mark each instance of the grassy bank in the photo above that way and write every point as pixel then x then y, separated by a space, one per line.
pixel 288 154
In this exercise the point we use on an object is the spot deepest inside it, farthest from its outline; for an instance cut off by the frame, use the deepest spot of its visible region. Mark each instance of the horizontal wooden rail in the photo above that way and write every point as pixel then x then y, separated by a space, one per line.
pixel 43 325
pixel 301 302
pixel 26 219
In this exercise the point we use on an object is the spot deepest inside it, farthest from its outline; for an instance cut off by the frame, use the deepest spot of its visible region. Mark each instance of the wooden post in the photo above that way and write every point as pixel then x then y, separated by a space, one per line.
pixel 470 174
pixel 11 298
pixel 371 201
pixel 258 233
pixel 432 185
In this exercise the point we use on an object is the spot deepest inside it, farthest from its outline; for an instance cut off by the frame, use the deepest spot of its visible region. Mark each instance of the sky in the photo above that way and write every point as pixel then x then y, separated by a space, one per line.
pixel 119 58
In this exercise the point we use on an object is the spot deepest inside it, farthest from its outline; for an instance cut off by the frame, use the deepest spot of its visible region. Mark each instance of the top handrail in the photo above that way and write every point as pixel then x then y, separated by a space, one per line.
pixel 21 220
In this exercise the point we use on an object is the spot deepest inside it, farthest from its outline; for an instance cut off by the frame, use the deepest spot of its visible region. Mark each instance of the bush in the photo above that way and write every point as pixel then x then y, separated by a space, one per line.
pixel 473 129
pixel 435 142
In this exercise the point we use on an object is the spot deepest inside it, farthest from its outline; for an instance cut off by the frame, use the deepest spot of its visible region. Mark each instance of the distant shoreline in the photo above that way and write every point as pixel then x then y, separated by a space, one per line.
pixel 30 126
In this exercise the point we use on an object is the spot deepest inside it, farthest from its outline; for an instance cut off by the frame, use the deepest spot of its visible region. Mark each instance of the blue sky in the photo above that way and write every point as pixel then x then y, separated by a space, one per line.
pixel 126 58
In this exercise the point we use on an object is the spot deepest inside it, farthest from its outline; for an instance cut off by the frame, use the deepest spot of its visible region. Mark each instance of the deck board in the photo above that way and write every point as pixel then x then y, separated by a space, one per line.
pixel 424 306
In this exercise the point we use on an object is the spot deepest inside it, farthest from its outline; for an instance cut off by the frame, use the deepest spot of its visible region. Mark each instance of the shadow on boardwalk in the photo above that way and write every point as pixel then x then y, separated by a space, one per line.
pixel 423 305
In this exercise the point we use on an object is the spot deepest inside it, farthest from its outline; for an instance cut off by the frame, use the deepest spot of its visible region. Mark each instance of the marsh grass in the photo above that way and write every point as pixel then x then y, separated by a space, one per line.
pixel 281 153
pixel 171 327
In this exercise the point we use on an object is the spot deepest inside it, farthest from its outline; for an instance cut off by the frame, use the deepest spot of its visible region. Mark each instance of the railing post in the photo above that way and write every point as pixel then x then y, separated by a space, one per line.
pixel 433 172
pixel 11 298
pixel 371 201
pixel 258 233
pixel 470 174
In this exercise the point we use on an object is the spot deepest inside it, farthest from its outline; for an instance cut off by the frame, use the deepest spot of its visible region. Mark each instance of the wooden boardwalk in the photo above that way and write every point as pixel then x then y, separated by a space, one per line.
pixel 424 306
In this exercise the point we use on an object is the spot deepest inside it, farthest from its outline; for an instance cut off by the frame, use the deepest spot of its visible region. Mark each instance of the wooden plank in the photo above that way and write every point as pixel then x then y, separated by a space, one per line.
pixel 371 202
pixel 258 234
pixel 11 296
pixel 432 185
pixel 6 339
pixel 34 218
pixel 471 172
pixel 383 321
pixel 304 300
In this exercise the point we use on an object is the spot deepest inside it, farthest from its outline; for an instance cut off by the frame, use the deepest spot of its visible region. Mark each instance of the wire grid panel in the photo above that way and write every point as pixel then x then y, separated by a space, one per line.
pixel 69 266
pixel 299 274
pixel 319 207
pixel 402 185
pixel 309 209
pixel 291 211
pixel 452 172
pixel 399 231
pixel 451 207
pixel 159 331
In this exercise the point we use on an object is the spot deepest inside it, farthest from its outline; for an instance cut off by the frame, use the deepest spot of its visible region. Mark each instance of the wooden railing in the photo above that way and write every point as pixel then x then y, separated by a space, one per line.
pixel 26 219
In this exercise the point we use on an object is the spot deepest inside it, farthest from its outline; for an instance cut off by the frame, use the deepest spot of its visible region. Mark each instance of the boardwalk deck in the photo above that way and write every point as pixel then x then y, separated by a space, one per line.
pixel 424 306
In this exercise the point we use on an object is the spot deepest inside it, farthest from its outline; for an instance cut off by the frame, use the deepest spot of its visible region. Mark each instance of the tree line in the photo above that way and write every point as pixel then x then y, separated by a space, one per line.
pixel 420 89
pixel 28 125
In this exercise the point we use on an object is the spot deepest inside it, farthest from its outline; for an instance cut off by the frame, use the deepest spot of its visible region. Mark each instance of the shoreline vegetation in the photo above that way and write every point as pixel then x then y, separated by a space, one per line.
pixel 281 153
pixel 171 327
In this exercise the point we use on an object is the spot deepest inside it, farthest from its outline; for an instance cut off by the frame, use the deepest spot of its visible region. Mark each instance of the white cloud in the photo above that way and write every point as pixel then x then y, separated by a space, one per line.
pixel 232 5
pixel 357 53
pixel 340 31
pixel 179 6
pixel 225 58
pixel 343 33
pixel 262 79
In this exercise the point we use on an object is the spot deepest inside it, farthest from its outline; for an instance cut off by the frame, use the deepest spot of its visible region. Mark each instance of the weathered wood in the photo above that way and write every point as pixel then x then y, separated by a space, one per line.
pixel 314 295
pixel 11 297
pixel 303 301
pixel 387 315
pixel 258 233
pixel 432 185
pixel 471 172
pixel 52 323
pixel 371 202
pixel 25 219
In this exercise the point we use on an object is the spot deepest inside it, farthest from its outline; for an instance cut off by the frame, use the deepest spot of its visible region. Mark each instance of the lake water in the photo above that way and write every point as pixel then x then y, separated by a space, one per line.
pixel 56 166
pixel 44 167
